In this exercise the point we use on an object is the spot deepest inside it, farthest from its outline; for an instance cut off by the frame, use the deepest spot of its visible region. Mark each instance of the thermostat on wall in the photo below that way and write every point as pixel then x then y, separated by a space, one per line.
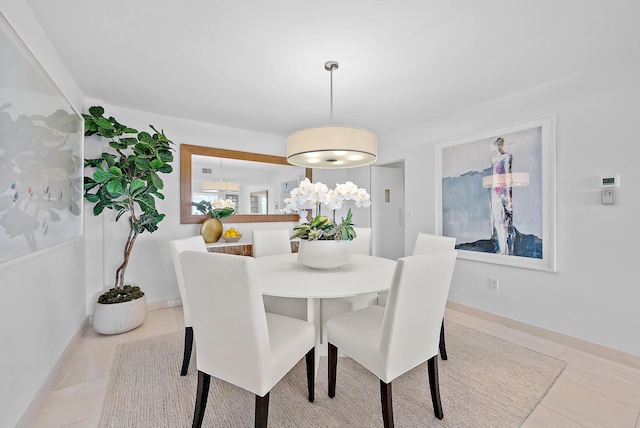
pixel 610 181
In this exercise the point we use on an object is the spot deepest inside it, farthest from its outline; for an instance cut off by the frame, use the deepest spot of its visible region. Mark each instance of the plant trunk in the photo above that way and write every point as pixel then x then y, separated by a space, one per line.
pixel 128 246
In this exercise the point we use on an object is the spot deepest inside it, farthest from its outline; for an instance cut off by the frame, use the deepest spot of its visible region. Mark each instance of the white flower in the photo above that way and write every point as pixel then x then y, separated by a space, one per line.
pixel 219 203
pixel 310 194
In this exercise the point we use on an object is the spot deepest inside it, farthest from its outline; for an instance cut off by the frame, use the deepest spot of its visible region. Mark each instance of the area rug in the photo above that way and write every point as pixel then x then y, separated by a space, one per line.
pixel 486 382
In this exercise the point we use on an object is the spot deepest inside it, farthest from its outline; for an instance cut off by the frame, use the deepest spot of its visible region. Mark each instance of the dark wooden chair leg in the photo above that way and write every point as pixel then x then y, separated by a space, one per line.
pixel 434 385
pixel 188 345
pixel 262 410
pixel 443 347
pixel 333 366
pixel 204 380
pixel 386 399
pixel 311 373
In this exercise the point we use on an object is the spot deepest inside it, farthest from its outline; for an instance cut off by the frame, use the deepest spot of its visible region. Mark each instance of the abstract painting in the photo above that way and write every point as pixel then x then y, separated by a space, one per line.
pixel 40 155
pixel 496 194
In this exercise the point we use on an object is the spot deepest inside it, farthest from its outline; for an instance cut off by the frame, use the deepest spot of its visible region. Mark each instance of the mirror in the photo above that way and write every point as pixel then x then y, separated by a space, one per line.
pixel 240 176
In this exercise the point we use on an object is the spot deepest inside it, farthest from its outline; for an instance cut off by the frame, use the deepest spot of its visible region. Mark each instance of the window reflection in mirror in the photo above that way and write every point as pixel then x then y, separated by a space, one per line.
pixel 255 182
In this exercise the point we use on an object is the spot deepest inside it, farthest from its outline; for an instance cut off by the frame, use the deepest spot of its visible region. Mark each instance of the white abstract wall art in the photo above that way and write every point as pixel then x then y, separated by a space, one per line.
pixel 41 164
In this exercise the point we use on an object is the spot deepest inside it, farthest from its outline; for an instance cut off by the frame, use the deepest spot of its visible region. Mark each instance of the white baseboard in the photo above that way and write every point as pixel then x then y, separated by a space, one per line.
pixel 563 339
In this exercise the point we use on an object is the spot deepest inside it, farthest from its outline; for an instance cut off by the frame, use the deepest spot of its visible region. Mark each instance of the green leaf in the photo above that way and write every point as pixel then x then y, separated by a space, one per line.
pixel 117 145
pixel 145 137
pixel 96 111
pixel 91 198
pixel 128 130
pixel 156 180
pixel 97 209
pixel 136 184
pixel 165 169
pixel 156 164
pixel 142 163
pixel 128 140
pixel 115 171
pixel 114 186
pixel 101 176
pixel 105 124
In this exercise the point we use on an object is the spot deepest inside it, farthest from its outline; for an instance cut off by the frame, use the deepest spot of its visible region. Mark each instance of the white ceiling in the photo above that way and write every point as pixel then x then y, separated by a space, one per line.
pixel 259 65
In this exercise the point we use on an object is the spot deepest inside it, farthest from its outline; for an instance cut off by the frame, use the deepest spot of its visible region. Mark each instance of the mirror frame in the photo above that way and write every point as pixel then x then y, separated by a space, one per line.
pixel 186 152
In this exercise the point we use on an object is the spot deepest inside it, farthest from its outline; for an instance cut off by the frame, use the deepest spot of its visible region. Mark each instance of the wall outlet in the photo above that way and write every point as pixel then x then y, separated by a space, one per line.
pixel 493 284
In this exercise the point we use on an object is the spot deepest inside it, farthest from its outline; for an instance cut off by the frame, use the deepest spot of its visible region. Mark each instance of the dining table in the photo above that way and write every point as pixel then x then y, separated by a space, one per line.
pixel 281 275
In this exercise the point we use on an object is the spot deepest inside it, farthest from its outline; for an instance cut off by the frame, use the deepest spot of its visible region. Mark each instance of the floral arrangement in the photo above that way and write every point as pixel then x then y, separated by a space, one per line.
pixel 216 208
pixel 318 194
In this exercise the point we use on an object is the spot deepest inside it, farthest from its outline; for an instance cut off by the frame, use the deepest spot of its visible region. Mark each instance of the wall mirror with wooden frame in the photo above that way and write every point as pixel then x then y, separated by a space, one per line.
pixel 208 173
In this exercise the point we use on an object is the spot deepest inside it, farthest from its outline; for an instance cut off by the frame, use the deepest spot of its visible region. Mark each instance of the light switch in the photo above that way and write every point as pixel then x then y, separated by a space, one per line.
pixel 608 197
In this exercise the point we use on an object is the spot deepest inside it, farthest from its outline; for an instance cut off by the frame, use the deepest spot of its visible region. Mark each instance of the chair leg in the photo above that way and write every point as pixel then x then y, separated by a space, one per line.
pixel 204 380
pixel 434 385
pixel 443 347
pixel 262 411
pixel 333 366
pixel 311 372
pixel 386 399
pixel 188 345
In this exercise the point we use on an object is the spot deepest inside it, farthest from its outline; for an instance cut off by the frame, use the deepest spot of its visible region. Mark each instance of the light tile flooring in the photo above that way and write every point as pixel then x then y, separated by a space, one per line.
pixel 591 392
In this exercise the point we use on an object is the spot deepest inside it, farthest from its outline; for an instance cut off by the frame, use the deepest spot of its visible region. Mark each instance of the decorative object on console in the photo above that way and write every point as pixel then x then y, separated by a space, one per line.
pixel 126 180
pixel 324 243
pixel 211 229
pixel 332 146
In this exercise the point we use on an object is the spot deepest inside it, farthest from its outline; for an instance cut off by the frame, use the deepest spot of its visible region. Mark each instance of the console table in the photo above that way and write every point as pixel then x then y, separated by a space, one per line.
pixel 240 248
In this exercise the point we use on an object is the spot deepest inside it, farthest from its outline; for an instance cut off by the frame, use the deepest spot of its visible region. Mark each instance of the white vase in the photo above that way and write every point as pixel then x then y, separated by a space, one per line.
pixel 324 254
pixel 118 318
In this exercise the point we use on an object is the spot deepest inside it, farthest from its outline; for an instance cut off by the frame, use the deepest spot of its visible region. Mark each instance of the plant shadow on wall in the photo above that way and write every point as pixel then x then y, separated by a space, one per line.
pixel 125 180
pixel 38 173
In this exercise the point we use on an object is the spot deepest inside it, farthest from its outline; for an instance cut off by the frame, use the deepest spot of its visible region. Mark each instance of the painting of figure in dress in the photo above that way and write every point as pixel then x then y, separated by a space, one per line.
pixel 492 194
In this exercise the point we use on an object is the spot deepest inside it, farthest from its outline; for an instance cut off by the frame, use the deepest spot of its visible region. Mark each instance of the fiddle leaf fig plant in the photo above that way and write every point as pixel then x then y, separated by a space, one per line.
pixel 127 179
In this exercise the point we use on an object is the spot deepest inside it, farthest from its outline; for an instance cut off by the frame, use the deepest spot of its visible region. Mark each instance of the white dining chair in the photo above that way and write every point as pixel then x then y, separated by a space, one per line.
pixel 194 243
pixel 428 244
pixel 237 341
pixel 268 242
pixel 271 242
pixel 392 340
pixel 362 244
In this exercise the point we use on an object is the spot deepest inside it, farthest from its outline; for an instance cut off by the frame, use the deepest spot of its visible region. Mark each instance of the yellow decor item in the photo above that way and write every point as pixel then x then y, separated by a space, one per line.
pixel 211 230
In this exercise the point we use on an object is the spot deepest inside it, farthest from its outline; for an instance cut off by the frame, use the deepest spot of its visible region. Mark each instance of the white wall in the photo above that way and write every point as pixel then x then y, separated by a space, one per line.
pixel 43 295
pixel 594 294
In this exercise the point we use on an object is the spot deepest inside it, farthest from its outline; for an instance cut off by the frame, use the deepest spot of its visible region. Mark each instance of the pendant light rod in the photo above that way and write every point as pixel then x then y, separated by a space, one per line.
pixel 330 66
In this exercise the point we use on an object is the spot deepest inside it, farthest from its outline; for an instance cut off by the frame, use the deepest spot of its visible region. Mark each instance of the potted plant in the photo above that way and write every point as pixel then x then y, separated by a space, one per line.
pixel 126 180
pixel 324 243
pixel 211 229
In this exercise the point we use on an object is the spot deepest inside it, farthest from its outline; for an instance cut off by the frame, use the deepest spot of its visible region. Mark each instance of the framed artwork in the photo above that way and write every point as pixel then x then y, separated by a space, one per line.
pixel 495 193
pixel 41 159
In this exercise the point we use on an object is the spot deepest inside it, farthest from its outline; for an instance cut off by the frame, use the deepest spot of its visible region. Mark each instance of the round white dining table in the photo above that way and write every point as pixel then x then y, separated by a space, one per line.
pixel 281 275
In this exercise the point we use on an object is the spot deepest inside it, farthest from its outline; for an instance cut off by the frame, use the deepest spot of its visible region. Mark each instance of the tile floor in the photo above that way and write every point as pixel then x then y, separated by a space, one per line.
pixel 591 392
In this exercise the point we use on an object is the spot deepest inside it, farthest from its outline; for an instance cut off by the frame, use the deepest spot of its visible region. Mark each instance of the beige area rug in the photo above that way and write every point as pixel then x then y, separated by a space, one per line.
pixel 486 382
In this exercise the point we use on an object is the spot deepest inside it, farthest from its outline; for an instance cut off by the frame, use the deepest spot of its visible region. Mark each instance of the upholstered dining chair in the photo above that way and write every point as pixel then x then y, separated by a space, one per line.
pixel 268 242
pixel 271 242
pixel 194 243
pixel 427 244
pixel 392 340
pixel 360 245
pixel 237 341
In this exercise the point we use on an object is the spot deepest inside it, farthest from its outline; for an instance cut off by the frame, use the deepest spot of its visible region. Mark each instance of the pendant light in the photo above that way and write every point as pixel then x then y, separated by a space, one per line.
pixel 220 186
pixel 332 146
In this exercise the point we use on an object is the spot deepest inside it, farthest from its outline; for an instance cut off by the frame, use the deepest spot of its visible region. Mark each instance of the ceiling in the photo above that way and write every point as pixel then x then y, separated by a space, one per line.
pixel 259 65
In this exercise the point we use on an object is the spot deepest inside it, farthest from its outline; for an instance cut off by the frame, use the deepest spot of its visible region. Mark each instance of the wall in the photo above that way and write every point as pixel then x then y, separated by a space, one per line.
pixel 594 293
pixel 43 294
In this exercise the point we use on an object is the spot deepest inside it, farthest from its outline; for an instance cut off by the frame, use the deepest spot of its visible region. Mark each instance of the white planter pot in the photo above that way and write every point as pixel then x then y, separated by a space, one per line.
pixel 117 318
pixel 324 254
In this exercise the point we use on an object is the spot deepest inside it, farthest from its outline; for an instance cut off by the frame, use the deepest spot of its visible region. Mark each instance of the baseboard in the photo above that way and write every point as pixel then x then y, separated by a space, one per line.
pixel 30 415
pixel 164 304
pixel 563 339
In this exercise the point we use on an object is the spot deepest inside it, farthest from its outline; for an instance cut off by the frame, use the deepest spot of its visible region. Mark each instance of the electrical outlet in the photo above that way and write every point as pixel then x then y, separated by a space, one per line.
pixel 493 284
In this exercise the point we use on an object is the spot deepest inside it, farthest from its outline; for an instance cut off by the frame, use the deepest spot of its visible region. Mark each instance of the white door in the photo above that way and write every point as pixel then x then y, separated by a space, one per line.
pixel 387 210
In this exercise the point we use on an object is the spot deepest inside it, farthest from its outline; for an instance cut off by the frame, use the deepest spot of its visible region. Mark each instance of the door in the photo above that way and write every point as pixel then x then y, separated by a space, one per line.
pixel 387 210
